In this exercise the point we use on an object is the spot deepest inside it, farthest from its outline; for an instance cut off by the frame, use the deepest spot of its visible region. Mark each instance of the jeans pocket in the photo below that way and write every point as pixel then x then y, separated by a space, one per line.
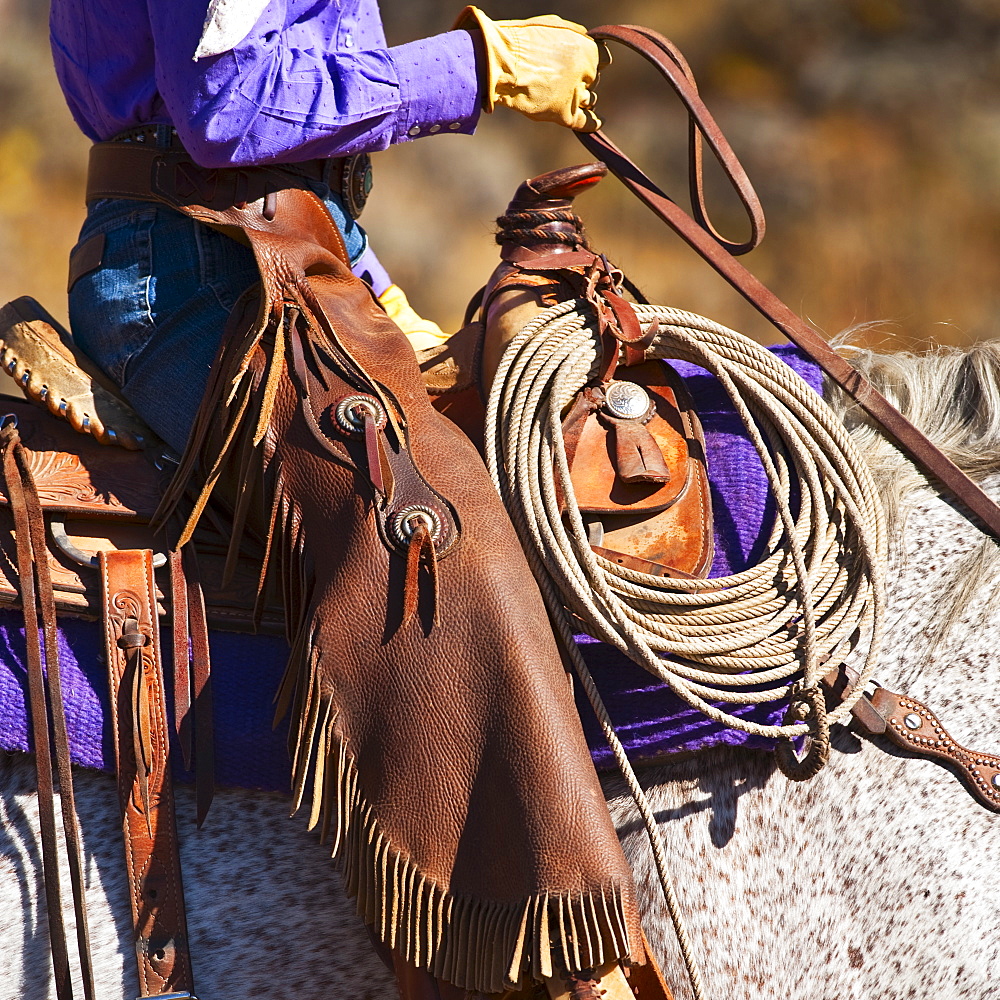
pixel 109 308
pixel 226 267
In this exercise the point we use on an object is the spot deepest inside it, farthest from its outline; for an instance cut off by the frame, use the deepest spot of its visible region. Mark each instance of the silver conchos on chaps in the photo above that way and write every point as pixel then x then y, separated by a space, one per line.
pixel 410 624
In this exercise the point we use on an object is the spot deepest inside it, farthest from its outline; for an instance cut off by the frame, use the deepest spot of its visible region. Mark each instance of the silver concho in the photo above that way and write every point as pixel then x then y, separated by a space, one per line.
pixel 626 400
pixel 404 522
pixel 356 183
pixel 349 413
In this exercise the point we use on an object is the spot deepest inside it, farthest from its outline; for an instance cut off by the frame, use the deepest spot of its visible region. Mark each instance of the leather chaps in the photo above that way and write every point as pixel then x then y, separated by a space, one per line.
pixel 434 733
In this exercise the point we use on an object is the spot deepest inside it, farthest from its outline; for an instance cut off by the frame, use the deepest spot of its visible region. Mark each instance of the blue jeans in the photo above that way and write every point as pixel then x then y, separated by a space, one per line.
pixel 152 315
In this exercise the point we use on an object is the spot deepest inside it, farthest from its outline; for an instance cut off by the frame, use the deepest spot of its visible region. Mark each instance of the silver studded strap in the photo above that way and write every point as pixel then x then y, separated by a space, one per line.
pixel 910 724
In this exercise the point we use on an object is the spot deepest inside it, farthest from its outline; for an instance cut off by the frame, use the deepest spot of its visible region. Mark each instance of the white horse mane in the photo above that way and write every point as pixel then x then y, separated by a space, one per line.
pixel 953 396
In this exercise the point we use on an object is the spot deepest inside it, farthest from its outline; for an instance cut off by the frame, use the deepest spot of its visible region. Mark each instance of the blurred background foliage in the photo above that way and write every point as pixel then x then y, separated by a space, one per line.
pixel 871 129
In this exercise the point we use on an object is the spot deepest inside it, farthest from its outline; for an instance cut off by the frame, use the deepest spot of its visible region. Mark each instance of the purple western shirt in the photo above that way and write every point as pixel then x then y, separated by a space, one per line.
pixel 313 78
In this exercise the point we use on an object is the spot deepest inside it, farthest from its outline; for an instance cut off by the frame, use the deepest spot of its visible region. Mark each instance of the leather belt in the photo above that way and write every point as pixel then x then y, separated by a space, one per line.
pixel 144 171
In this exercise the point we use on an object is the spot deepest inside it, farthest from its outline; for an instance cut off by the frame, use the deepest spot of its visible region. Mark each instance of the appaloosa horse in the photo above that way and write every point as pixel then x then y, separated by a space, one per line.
pixel 878 878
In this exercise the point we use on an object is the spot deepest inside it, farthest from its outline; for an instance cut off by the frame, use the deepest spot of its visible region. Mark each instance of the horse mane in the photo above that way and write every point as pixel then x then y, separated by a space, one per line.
pixel 953 396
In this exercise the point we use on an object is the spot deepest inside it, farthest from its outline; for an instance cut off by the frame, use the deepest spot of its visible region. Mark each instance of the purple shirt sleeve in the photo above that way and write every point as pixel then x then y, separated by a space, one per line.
pixel 304 85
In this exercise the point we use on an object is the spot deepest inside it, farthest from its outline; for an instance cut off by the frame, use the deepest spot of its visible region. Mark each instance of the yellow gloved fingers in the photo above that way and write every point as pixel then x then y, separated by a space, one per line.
pixel 543 67
pixel 421 333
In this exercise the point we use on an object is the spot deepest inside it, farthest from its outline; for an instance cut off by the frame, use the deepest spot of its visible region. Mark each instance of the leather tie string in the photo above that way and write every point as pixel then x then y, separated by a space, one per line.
pixel 131 642
pixel 45 692
pixel 420 552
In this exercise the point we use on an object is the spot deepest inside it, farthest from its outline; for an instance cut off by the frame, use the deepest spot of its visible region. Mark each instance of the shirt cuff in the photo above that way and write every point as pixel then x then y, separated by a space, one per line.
pixel 369 268
pixel 438 86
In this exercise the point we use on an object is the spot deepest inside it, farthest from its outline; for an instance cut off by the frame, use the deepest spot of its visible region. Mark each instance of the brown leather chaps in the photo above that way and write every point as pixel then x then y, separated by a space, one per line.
pixel 434 732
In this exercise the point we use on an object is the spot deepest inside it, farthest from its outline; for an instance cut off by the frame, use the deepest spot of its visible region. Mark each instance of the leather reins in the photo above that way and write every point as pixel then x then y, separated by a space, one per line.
pixel 698 232
pixel 45 696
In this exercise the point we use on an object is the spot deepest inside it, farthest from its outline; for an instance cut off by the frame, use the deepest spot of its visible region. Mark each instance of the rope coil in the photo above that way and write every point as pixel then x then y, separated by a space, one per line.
pixel 817 593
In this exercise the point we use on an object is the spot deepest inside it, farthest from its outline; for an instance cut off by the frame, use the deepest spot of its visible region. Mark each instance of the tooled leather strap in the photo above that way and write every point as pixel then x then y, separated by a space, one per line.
pixel 911 725
pixel 701 236
pixel 139 725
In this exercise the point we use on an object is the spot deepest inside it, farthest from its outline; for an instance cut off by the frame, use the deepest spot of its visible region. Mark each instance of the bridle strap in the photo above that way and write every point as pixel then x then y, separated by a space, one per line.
pixel 699 234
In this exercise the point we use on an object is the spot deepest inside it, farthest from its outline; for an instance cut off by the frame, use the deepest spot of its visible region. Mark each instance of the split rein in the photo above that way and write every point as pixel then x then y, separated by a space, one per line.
pixel 700 234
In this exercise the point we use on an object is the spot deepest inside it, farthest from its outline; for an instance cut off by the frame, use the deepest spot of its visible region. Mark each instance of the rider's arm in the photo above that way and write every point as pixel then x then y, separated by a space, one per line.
pixel 309 81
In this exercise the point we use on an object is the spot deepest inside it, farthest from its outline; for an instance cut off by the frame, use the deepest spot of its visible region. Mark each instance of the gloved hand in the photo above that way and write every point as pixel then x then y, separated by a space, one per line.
pixel 543 67
pixel 421 333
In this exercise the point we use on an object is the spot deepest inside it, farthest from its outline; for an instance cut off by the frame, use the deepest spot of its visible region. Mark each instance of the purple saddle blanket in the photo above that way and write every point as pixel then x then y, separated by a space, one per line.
pixel 650 720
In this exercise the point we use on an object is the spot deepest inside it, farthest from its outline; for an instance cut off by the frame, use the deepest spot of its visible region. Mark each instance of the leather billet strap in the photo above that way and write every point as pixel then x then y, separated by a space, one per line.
pixel 192 676
pixel 698 233
pixel 139 725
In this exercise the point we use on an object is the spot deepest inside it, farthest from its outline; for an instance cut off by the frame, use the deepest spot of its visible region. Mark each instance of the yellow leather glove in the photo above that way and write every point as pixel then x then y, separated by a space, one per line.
pixel 421 333
pixel 543 67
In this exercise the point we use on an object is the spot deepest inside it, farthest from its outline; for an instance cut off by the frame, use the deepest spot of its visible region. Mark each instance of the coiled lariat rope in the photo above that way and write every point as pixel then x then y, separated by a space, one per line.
pixel 766 634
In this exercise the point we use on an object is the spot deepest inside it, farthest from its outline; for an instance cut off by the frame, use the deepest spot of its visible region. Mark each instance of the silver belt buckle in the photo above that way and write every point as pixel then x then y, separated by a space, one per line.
pixel 356 183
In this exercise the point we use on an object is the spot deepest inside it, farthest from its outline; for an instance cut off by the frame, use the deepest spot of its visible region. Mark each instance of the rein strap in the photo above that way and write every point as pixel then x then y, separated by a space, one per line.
pixel 699 234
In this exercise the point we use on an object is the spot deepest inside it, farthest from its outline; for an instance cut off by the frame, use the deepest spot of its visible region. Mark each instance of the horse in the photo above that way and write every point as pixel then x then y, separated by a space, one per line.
pixel 873 879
